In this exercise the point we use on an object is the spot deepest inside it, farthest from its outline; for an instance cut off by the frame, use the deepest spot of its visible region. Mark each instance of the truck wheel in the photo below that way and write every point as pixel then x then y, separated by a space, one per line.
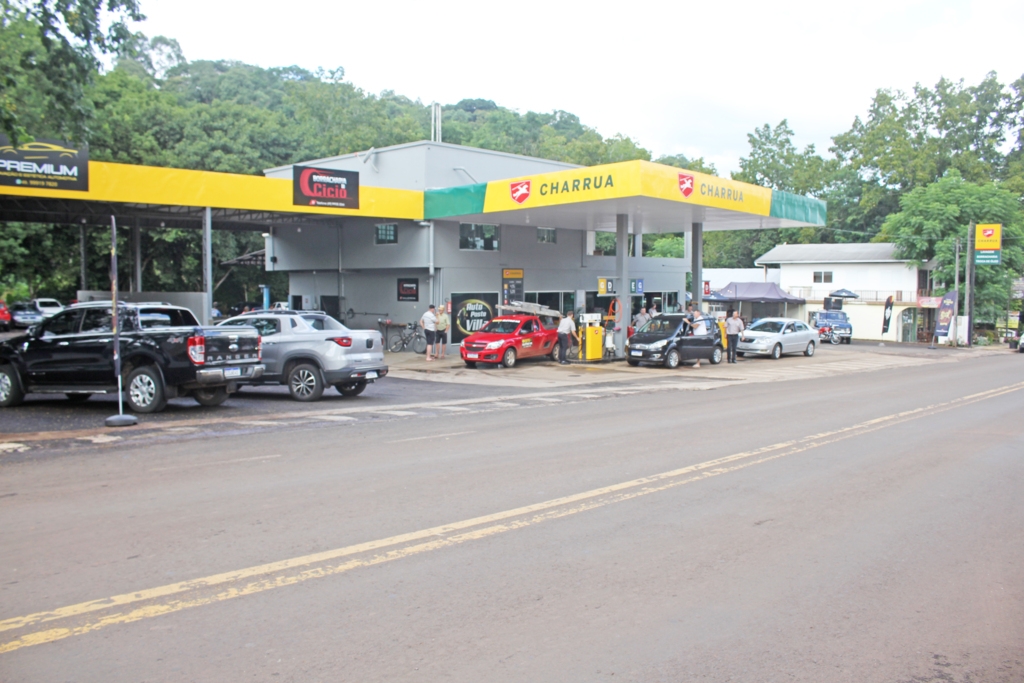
pixel 672 359
pixel 508 359
pixel 777 352
pixel 213 396
pixel 809 351
pixel 305 383
pixel 78 398
pixel 146 390
pixel 350 388
pixel 10 388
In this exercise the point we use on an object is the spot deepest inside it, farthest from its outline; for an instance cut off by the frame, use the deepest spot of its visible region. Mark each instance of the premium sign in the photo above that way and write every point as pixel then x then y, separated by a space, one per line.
pixel 49 164
pixel 325 187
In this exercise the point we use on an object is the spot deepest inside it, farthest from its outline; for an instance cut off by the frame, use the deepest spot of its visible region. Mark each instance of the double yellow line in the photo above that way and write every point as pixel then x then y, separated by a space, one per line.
pixel 128 607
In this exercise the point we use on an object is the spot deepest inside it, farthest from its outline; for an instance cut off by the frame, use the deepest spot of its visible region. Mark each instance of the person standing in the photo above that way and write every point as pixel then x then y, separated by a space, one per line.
pixel 429 324
pixel 566 329
pixel 441 332
pixel 733 327
pixel 641 318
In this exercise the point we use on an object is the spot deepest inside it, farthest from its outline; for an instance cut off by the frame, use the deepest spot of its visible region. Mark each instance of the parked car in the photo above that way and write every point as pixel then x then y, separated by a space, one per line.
pixel 24 314
pixel 47 307
pixel 506 339
pixel 669 340
pixel 776 336
pixel 837 320
pixel 5 317
pixel 308 351
pixel 165 354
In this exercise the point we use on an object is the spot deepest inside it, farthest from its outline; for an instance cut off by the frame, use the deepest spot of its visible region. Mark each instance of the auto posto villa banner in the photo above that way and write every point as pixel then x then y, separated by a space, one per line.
pixel 325 187
pixel 44 164
pixel 470 312
pixel 988 243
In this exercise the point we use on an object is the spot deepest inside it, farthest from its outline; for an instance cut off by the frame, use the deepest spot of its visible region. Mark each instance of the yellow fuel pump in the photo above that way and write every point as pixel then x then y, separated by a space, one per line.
pixel 591 337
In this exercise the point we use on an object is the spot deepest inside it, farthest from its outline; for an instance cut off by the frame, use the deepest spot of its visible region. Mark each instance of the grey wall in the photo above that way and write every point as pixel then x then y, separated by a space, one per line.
pixel 194 301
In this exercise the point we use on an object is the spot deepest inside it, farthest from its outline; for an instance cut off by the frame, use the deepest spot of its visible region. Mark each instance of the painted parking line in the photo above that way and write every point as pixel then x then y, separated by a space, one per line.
pixel 397 413
pixel 221 587
pixel 335 418
pixel 430 436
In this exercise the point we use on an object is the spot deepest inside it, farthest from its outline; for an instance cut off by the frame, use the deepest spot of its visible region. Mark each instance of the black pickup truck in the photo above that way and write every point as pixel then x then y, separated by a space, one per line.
pixel 165 353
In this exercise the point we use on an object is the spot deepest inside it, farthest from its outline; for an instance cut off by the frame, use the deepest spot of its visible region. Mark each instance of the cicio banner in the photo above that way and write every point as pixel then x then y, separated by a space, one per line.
pixel 325 187
pixel 44 164
pixel 945 316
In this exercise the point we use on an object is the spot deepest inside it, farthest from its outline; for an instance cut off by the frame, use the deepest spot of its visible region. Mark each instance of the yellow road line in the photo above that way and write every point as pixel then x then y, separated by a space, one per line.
pixel 491 524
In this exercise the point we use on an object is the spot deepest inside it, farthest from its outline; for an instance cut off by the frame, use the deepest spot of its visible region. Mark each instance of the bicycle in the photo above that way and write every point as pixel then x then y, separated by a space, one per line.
pixel 410 335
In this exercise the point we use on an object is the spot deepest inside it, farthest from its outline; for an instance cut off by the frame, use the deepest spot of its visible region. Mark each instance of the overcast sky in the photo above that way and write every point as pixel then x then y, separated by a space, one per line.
pixel 678 77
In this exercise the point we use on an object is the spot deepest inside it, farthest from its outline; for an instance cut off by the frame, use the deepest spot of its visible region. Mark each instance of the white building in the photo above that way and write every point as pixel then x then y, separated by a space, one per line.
pixel 871 270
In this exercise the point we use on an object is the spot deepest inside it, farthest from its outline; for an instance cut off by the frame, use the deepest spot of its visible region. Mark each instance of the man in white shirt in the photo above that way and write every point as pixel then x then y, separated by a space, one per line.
pixel 566 328
pixel 429 324
pixel 733 328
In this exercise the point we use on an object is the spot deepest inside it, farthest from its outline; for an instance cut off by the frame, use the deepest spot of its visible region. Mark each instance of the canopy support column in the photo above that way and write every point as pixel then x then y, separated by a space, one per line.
pixel 622 281
pixel 137 257
pixel 207 264
pixel 81 246
pixel 696 261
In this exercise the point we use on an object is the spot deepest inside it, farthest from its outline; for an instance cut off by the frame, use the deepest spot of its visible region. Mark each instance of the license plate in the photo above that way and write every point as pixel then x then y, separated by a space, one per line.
pixel 472 355
pixel 233 372
pixel 638 353
pixel 371 375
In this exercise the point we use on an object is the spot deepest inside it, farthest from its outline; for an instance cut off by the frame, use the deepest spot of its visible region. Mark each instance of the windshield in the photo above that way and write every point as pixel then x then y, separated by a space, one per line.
pixel 323 322
pixel 501 326
pixel 832 317
pixel 772 326
pixel 661 325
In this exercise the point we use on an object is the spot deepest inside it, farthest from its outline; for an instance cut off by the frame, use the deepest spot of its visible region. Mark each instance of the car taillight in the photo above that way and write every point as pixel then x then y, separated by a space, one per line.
pixel 259 347
pixel 197 350
pixel 342 341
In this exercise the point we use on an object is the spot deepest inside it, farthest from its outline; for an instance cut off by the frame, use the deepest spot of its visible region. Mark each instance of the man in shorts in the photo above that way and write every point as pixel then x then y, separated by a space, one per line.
pixel 429 324
pixel 441 332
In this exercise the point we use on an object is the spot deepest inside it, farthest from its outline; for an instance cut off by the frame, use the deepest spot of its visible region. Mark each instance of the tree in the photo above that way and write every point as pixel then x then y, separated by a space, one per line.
pixel 57 42
pixel 933 216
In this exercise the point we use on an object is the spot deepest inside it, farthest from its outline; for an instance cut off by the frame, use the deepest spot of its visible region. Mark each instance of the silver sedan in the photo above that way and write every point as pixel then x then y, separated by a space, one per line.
pixel 776 336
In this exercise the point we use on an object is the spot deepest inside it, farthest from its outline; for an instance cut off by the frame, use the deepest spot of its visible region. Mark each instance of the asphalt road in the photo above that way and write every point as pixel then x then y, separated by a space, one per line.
pixel 866 529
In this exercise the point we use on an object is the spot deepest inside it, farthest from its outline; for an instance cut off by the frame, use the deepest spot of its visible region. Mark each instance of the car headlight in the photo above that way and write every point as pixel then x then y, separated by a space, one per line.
pixel 495 345
pixel 658 344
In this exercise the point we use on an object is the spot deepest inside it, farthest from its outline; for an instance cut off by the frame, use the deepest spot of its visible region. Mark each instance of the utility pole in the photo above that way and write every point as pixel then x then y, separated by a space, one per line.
pixel 969 284
pixel 956 288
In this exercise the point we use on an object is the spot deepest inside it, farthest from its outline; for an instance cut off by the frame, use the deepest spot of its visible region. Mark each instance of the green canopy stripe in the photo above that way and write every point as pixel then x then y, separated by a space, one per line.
pixel 454 201
pixel 798 208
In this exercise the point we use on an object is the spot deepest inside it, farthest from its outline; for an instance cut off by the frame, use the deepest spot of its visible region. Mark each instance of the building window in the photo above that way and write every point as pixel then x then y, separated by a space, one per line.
pixel 386 234
pixel 547 235
pixel 823 277
pixel 478 237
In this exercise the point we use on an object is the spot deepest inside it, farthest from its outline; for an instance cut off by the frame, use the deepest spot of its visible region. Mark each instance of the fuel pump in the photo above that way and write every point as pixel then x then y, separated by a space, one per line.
pixel 591 336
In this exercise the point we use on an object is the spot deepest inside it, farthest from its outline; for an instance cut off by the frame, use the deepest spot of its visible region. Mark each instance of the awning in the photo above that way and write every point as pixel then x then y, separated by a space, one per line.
pixel 756 292
pixel 844 294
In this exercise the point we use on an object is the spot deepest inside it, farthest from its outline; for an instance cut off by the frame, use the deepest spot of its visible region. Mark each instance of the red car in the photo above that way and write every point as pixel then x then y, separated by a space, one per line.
pixel 5 317
pixel 508 338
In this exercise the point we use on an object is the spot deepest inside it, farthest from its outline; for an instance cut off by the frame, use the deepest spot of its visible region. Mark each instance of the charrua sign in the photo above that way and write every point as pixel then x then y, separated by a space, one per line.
pixel 44 164
pixel 325 187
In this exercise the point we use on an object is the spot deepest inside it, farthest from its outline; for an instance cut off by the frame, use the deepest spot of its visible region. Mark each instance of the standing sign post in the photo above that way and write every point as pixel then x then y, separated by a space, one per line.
pixel 119 420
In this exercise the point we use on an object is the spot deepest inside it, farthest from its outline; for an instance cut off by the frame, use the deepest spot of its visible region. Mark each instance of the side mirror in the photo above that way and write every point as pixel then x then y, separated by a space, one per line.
pixel 33 331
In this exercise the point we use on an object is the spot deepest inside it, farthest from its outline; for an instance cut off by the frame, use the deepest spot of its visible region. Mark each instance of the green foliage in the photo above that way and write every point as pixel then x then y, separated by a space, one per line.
pixel 932 217
pixel 681 161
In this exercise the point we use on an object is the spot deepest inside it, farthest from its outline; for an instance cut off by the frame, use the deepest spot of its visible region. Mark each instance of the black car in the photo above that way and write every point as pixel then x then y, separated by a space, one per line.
pixel 165 353
pixel 670 340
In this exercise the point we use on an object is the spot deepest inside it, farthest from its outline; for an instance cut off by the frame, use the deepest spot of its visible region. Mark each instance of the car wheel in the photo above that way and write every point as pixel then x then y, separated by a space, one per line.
pixel 777 352
pixel 508 359
pixel 350 388
pixel 809 351
pixel 419 344
pixel 632 362
pixel 78 398
pixel 716 355
pixel 10 389
pixel 146 390
pixel 305 383
pixel 396 344
pixel 212 396
pixel 554 353
pixel 672 359
pixel 470 363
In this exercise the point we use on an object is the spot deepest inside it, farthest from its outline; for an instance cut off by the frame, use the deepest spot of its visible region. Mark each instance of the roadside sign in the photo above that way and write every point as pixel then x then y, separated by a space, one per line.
pixel 988 243
pixel 707 288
